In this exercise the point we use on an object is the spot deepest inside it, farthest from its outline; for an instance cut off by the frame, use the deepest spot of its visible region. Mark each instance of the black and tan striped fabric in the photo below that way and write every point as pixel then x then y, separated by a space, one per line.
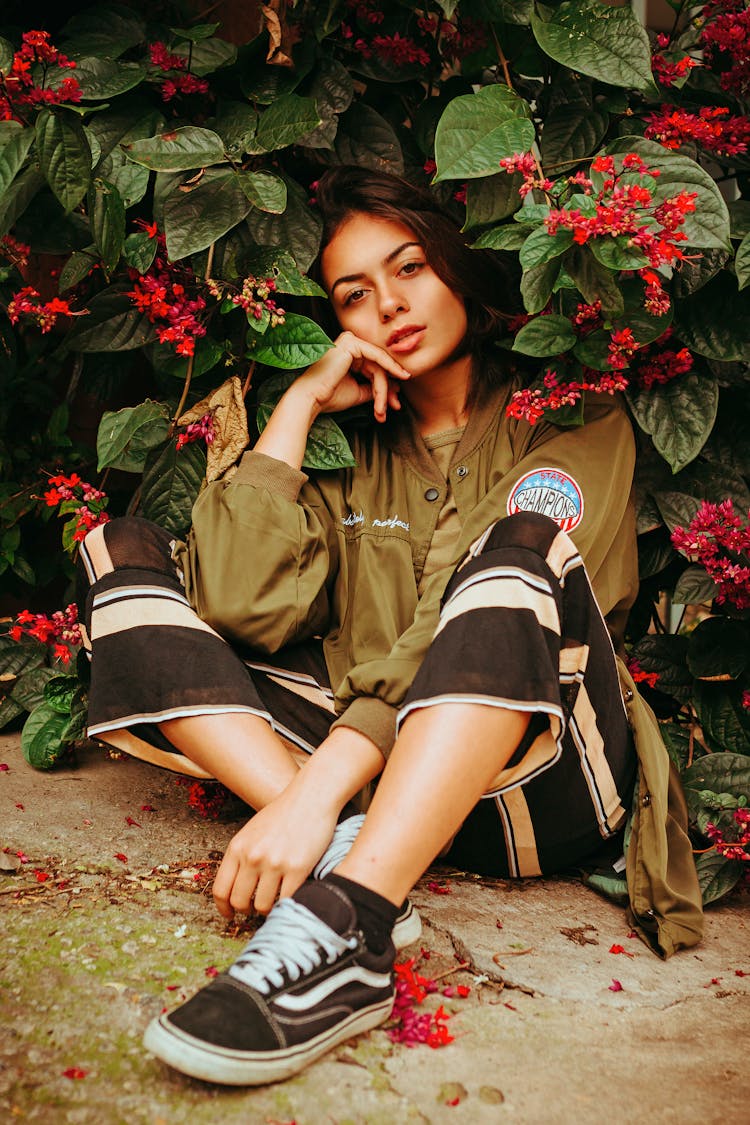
pixel 519 629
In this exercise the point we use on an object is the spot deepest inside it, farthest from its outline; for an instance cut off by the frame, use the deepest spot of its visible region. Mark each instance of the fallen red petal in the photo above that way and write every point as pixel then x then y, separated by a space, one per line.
pixel 4 767
pixel 211 971
pixel 147 808
pixel 133 823
pixel 19 806
pixel 507 1004
pixel 463 989
pixel 741 973
pixel 620 949
pixel 453 1101
pixel 439 888
pixel 41 876
pixel 23 857
pixel 122 858
pixel 74 1072
pixel 615 986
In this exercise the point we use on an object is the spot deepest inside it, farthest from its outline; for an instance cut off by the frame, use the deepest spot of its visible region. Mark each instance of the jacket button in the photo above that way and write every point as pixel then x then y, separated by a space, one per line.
pixel 646 800
pixel 627 695
pixel 431 494
pixel 461 471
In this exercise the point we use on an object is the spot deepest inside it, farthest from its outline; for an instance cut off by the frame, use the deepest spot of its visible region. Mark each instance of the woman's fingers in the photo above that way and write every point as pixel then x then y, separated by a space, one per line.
pixel 363 349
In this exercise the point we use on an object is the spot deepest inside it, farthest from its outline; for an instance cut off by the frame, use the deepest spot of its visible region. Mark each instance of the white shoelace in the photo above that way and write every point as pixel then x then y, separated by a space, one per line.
pixel 343 837
pixel 292 940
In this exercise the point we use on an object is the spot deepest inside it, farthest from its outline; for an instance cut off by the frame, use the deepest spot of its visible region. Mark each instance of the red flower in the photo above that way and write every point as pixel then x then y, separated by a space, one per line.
pixel 122 858
pixel 615 986
pixel 74 1072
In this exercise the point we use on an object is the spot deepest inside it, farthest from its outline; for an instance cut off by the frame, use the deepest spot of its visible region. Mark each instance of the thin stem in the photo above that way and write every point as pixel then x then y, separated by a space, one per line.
pixel 248 378
pixel 501 57
pixel 191 359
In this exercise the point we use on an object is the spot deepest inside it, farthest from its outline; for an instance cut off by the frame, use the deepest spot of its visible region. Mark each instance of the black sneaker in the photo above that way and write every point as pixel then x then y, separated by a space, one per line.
pixel 305 982
pixel 408 925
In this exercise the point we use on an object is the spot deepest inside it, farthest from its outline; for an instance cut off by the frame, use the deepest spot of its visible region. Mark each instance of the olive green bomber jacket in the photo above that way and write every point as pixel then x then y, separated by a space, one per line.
pixel 276 557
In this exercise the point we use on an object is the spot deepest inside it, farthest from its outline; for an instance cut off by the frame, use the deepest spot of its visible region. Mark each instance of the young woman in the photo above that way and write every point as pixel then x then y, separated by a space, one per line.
pixel 424 618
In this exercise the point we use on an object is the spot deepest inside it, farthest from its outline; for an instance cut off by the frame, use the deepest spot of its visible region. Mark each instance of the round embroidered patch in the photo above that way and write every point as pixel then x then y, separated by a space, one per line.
pixel 551 492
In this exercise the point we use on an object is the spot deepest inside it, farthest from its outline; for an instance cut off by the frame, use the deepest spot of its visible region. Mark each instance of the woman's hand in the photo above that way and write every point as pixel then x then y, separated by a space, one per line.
pixel 270 857
pixel 353 371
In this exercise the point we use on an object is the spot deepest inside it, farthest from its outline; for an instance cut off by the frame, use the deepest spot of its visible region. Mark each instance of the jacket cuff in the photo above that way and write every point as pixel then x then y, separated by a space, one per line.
pixel 373 718
pixel 268 472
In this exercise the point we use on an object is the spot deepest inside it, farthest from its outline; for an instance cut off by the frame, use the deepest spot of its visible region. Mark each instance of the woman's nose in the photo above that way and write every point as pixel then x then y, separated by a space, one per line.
pixel 392 302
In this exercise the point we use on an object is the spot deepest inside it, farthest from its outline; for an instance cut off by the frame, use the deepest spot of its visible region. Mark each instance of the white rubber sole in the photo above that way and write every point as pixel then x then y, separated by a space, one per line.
pixel 252 1068
pixel 408 927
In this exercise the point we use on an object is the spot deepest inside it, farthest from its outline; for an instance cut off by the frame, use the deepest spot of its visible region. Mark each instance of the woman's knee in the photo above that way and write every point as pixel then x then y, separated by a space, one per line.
pixel 128 542
pixel 530 531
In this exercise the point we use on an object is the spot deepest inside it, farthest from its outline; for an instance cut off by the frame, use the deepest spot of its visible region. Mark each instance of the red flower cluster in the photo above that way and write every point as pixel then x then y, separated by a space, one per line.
pixel 16 252
pixel 531 403
pixel 525 163
pixel 207 798
pixel 163 295
pixel 726 38
pixel 366 11
pixel 396 49
pixel 628 209
pixel 28 302
pixel 711 127
pixel 732 849
pixel 410 1027
pixel 641 677
pixel 178 83
pixel 195 431
pixel 18 89
pixel 622 347
pixel 657 365
pixel 717 539
pixel 61 631
pixel 75 497
pixel 667 71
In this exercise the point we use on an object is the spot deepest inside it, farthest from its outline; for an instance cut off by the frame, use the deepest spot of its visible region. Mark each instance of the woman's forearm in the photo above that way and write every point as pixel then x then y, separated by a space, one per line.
pixel 285 434
pixel 338 769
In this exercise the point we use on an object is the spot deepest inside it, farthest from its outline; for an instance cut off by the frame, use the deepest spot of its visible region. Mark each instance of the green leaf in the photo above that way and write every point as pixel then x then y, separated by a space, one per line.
pixel 285 121
pixel 103 31
pixel 477 130
pixel 6 56
pixel 209 55
pixel 715 322
pixel 667 656
pixel 64 157
pixel 571 133
pixel 679 416
pixel 59 691
pixel 28 690
pixel 541 246
pixel 107 219
pixel 177 150
pixel 297 230
pixel 491 199
pixel 537 283
pixel 264 190
pixel 15 200
pixel 720 773
pixel 101 79
pixel 718 648
pixel 742 262
pixel 207 354
pixel 76 268
pixel 171 484
pixel 326 448
pixel 678 743
pixel 694 587
pixel 113 325
pixel 139 251
pixel 739 217
pixel 717 875
pixel 197 32
pixel 677 509
pixel 606 43
pixel 508 237
pixel 290 280
pixel 595 282
pixel 126 436
pixel 697 269
pixel 17 657
pixel 236 124
pixel 296 343
pixel 365 138
pixel 593 350
pixel 615 254
pixel 12 156
pixel 726 724
pixel 195 218
pixel 545 335
pixel 41 737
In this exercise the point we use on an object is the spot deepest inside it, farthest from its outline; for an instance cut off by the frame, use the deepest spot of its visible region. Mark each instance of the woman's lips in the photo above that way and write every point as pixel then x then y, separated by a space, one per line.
pixel 407 341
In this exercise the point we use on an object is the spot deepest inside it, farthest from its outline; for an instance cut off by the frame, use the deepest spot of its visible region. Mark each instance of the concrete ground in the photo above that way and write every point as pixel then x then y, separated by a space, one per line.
pixel 109 919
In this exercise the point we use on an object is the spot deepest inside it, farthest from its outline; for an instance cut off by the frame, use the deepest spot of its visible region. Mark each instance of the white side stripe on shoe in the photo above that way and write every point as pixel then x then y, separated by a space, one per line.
pixel 313 996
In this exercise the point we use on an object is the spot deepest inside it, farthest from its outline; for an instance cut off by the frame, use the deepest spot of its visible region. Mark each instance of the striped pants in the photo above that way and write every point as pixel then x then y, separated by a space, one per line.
pixel 519 629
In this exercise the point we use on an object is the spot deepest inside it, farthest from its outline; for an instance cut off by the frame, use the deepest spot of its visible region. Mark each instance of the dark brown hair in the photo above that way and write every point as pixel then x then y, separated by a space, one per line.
pixel 476 275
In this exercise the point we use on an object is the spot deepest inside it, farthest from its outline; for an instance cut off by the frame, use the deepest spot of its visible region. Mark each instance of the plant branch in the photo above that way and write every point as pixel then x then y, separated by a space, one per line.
pixel 191 359
pixel 501 57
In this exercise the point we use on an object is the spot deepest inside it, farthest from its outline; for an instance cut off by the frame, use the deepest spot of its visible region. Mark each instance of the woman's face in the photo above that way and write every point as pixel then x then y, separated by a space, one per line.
pixel 383 290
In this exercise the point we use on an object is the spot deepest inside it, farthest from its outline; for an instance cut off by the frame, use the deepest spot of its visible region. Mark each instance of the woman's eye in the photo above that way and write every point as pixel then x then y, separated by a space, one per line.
pixel 355 295
pixel 410 268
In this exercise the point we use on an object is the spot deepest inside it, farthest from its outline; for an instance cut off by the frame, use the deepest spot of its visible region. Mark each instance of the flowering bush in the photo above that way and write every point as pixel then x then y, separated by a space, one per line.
pixel 157 211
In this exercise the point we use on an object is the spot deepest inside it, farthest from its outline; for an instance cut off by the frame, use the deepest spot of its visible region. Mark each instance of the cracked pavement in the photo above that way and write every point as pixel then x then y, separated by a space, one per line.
pixel 122 925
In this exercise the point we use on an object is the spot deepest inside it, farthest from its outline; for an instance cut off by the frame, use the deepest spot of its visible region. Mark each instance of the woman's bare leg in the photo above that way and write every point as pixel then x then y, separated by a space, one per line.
pixel 239 749
pixel 444 759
